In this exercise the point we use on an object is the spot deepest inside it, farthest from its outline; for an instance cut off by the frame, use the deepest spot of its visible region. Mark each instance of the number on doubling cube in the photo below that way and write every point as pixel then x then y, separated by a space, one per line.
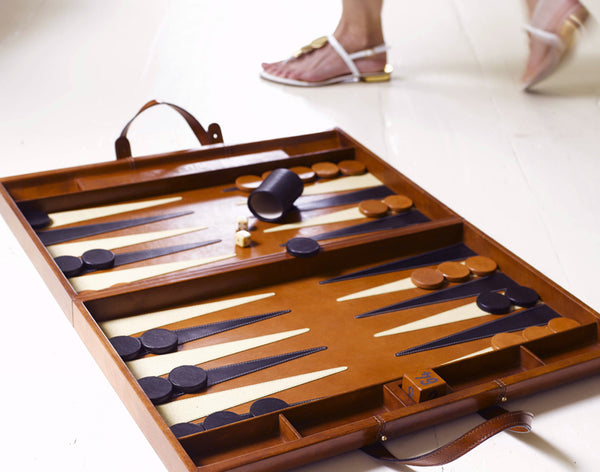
pixel 423 385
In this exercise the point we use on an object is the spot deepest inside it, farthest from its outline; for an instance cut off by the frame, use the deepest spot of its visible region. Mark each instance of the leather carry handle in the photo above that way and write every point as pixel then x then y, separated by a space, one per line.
pixel 498 420
pixel 212 136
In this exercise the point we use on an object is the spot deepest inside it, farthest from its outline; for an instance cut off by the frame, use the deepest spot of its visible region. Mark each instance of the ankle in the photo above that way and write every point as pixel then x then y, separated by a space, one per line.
pixel 550 14
pixel 356 37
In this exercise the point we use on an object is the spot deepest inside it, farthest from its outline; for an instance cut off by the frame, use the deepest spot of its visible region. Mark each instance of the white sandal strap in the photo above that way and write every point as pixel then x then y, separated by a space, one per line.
pixel 349 58
pixel 544 35
pixel 369 52
pixel 344 55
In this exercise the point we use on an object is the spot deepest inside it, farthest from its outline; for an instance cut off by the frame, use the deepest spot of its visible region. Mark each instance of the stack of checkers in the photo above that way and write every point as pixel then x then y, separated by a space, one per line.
pixel 321 170
pixel 556 325
pixel 453 271
pixel 379 208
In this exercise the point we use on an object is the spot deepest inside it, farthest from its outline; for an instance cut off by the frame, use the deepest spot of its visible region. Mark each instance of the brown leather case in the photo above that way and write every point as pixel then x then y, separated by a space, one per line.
pixel 355 408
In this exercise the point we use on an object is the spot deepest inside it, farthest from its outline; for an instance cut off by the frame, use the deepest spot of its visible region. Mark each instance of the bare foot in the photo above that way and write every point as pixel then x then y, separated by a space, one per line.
pixel 325 63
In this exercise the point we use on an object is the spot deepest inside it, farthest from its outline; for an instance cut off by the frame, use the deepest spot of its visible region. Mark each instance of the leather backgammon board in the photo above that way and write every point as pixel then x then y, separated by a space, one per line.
pixel 265 339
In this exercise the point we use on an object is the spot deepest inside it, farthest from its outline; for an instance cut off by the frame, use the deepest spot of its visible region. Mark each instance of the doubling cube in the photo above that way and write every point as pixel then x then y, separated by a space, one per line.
pixel 423 385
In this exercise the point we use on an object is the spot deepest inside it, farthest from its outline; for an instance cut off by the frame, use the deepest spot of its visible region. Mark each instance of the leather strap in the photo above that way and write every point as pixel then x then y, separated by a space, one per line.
pixel 344 55
pixel 498 420
pixel 369 52
pixel 213 136
pixel 551 38
pixel 350 58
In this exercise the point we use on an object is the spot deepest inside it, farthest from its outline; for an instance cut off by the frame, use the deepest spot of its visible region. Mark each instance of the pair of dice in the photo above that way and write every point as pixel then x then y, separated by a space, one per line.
pixel 243 238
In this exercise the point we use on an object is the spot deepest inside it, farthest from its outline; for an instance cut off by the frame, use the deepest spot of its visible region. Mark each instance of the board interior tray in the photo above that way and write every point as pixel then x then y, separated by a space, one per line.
pixel 357 392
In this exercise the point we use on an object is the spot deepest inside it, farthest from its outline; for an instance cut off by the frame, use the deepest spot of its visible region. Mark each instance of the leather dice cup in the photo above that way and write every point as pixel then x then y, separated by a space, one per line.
pixel 276 195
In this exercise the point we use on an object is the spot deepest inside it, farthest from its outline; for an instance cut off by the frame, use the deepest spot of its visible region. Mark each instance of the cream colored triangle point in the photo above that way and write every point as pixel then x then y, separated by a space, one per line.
pixel 75 249
pixel 61 218
pixel 473 354
pixel 145 321
pixel 342 184
pixel 402 284
pixel 104 280
pixel 335 217
pixel 461 313
pixel 197 407
pixel 163 364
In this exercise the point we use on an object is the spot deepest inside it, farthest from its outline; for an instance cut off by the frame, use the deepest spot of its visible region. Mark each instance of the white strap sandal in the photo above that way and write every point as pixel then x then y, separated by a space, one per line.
pixel 561 43
pixel 354 76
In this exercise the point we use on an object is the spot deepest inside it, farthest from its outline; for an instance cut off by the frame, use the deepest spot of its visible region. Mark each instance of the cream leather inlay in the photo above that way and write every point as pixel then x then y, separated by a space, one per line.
pixel 473 354
pixel 199 406
pixel 163 364
pixel 335 217
pixel 461 313
pixel 143 322
pixel 402 284
pixel 78 248
pixel 341 184
pixel 61 218
pixel 102 280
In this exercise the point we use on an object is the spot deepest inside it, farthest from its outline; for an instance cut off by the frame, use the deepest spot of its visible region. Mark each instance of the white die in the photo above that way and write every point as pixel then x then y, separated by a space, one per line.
pixel 242 223
pixel 243 238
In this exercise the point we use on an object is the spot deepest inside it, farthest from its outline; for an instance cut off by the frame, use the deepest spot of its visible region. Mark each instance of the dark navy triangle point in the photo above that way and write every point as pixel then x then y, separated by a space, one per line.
pixel 262 406
pixel 197 332
pixel 494 282
pixel 309 203
pixel 137 256
pixel 98 262
pixel 194 379
pixel 162 341
pixel 450 253
pixel 222 374
pixel 538 315
pixel 381 224
pixel 62 235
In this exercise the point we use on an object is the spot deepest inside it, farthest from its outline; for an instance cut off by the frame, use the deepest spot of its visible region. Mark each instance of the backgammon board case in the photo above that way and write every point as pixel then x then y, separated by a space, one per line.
pixel 368 310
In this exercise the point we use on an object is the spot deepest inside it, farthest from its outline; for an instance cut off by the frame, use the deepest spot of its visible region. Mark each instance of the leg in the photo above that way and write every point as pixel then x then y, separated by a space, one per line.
pixel 530 4
pixel 552 27
pixel 359 28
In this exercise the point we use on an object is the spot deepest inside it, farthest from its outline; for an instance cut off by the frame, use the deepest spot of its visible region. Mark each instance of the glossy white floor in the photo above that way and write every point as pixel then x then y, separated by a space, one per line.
pixel 523 167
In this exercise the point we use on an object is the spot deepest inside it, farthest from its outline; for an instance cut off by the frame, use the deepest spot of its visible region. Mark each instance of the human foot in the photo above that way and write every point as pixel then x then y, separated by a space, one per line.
pixel 551 36
pixel 331 60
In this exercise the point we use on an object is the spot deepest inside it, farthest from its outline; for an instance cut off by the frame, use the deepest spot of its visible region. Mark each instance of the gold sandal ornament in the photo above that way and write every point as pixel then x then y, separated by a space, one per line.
pixel 315 44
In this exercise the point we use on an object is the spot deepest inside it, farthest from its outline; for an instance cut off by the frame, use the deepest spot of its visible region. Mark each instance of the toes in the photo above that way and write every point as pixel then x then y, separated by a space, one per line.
pixel 270 66
pixel 541 62
pixel 284 69
pixel 288 72
pixel 280 70
pixel 274 66
pixel 538 51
